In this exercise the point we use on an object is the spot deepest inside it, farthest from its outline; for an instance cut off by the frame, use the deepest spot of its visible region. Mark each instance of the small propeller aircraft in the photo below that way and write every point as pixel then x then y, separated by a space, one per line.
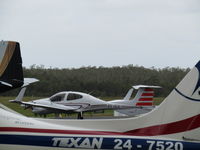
pixel 78 102
pixel 173 125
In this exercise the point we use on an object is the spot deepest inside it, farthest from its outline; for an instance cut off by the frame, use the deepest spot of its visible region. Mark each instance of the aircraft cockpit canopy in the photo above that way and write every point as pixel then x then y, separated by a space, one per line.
pixel 73 96
pixel 57 98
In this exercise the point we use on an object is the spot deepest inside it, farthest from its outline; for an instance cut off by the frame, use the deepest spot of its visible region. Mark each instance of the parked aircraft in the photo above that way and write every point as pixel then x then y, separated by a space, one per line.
pixel 174 125
pixel 70 102
pixel 11 76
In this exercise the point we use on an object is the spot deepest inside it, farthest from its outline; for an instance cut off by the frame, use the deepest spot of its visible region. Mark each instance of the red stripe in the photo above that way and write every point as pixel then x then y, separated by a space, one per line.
pixel 146 99
pixel 33 130
pixel 147 94
pixel 148 89
pixel 170 128
pixel 144 104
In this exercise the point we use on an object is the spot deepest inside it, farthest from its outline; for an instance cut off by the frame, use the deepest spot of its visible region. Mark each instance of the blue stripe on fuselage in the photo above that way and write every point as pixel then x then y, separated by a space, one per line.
pixel 97 142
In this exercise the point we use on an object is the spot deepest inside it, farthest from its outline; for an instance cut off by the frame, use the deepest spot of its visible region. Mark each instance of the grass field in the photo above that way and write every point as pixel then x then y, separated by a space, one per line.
pixel 28 112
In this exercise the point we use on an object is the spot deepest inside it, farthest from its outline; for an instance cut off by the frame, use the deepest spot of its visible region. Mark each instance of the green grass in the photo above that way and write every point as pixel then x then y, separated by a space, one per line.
pixel 158 100
pixel 28 112
pixel 17 107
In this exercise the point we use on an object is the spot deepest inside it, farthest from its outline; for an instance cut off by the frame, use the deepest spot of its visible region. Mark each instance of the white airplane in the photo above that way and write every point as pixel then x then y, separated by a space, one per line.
pixel 173 125
pixel 70 102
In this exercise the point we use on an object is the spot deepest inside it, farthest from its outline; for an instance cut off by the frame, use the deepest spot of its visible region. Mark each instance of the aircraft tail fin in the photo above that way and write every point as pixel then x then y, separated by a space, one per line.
pixel 128 95
pixel 145 94
pixel 20 96
pixel 11 71
pixel 183 104
pixel 178 116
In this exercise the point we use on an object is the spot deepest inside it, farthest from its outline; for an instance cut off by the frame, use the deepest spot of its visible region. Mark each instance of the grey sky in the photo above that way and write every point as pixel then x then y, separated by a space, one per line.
pixel 75 33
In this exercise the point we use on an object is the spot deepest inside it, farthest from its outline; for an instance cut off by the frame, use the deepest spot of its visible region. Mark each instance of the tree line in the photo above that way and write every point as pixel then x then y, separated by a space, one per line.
pixel 100 81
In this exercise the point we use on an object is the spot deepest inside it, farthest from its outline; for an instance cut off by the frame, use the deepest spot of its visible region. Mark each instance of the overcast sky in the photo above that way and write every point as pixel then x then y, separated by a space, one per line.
pixel 75 33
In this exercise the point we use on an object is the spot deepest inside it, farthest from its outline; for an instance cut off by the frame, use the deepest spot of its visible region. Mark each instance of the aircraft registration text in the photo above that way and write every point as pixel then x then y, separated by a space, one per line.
pixel 97 142
pixel 115 143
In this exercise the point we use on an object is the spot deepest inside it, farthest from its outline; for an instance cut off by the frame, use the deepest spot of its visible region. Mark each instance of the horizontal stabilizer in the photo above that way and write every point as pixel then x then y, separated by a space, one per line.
pixel 6 84
pixel 28 81
pixel 146 86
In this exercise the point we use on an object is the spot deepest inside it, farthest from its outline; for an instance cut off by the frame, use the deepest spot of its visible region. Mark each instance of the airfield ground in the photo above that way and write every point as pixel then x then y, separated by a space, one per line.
pixel 27 112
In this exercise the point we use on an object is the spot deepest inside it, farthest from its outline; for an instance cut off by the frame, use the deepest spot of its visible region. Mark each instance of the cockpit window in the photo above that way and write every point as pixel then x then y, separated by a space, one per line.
pixel 57 98
pixel 72 96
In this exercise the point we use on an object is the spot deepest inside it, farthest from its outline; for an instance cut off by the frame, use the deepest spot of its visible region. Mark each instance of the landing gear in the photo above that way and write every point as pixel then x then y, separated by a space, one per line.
pixel 80 115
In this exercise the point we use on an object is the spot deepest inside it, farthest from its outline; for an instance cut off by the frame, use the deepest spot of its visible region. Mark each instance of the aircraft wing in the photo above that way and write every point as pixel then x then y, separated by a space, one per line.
pixel 51 106
pixel 76 108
